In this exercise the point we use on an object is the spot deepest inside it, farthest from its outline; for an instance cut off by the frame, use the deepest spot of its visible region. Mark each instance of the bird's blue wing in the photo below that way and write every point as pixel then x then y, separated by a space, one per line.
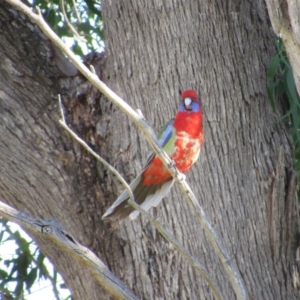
pixel 165 133
pixel 163 138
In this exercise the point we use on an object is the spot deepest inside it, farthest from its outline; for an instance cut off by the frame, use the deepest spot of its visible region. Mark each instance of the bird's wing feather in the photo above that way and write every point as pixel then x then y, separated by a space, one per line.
pixel 146 196
pixel 154 199
pixel 159 195
pixel 163 138
pixel 165 133
pixel 124 196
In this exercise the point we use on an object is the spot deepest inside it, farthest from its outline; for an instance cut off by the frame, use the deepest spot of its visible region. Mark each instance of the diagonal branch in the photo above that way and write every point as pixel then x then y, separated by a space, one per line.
pixel 171 239
pixel 230 268
pixel 52 231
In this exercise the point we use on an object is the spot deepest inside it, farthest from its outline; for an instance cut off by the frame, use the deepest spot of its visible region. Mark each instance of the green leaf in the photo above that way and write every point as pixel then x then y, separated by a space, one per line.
pixel 273 67
pixel 19 288
pixel 292 87
pixel 288 114
pixel 281 89
pixel 3 274
pixel 271 89
pixel 31 277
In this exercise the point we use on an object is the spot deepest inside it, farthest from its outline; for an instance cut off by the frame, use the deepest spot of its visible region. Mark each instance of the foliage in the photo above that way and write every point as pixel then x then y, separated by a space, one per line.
pixel 281 85
pixel 86 18
pixel 26 267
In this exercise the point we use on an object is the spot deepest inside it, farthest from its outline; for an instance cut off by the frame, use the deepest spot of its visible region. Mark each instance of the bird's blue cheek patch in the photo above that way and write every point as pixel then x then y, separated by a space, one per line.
pixel 195 107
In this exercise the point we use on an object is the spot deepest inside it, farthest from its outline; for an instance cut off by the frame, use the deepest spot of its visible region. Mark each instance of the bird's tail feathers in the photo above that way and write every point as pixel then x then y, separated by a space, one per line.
pixel 145 195
pixel 154 199
pixel 114 211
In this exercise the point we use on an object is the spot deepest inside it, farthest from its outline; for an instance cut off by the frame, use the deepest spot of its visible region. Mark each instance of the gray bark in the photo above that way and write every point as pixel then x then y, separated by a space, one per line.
pixel 245 177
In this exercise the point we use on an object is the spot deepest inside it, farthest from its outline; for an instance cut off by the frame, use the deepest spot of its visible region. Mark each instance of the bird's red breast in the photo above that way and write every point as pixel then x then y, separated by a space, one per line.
pixel 189 138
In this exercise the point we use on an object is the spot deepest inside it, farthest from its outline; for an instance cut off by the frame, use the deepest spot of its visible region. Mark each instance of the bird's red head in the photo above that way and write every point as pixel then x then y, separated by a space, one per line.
pixel 190 101
pixel 190 94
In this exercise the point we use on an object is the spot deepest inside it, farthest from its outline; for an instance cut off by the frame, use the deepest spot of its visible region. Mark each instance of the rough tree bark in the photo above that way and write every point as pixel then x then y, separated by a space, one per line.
pixel 244 179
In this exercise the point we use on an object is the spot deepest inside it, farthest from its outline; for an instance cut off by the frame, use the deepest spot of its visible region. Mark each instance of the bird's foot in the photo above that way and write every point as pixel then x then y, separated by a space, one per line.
pixel 181 177
pixel 171 164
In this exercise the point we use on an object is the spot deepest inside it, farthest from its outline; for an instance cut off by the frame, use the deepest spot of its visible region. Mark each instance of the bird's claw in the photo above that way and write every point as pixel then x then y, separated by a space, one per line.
pixel 181 177
pixel 171 164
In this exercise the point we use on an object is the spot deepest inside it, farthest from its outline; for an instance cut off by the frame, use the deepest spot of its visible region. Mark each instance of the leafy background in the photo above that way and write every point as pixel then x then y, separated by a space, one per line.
pixel 282 92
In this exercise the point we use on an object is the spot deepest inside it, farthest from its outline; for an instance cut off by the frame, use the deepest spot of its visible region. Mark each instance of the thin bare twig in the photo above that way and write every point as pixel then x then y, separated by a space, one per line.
pixel 98 157
pixel 76 12
pixel 180 249
pixel 69 24
pixel 230 268
pixel 61 109
pixel 92 69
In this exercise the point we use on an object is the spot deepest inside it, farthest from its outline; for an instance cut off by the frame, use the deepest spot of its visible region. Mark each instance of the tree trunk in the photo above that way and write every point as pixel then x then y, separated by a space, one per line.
pixel 245 178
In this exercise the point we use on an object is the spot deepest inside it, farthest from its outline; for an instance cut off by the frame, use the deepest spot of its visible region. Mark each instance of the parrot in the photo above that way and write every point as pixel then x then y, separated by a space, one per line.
pixel 181 138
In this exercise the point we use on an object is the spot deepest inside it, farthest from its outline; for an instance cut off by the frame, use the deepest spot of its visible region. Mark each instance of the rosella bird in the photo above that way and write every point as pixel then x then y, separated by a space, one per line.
pixel 181 138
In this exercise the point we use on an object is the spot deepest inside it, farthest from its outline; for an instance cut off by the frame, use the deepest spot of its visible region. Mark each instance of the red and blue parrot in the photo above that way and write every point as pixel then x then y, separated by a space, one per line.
pixel 181 138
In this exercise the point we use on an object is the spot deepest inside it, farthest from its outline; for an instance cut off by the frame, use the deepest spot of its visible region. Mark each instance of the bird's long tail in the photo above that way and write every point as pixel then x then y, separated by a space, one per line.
pixel 145 195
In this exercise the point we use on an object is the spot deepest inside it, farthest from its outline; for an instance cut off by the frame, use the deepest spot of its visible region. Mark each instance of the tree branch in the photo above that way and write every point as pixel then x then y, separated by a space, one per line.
pixel 62 6
pixel 171 239
pixel 52 231
pixel 231 270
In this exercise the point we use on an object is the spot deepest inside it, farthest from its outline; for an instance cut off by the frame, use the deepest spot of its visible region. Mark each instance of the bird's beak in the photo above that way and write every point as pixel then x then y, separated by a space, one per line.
pixel 187 103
